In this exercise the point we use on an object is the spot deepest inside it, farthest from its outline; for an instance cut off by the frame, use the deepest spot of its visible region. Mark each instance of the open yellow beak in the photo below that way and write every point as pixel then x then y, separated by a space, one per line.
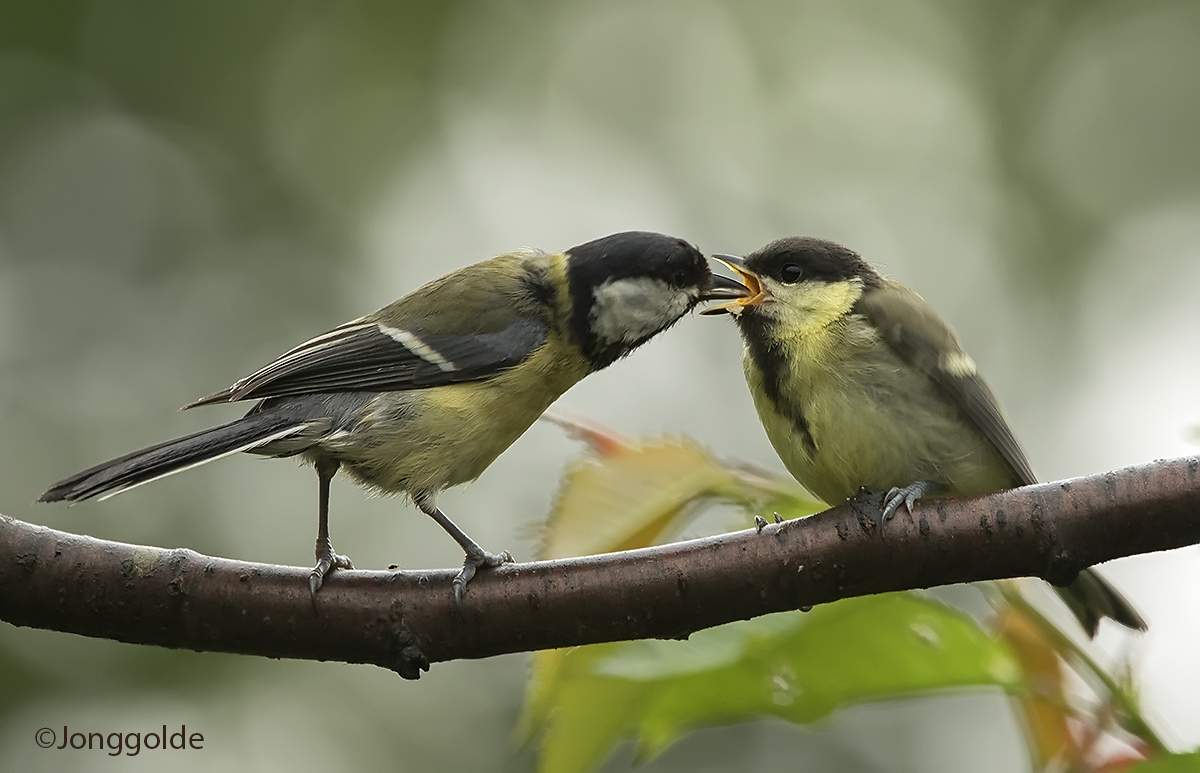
pixel 757 293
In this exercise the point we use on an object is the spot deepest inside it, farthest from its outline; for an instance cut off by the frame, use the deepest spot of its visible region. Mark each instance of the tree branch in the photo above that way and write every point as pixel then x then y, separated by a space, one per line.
pixel 406 620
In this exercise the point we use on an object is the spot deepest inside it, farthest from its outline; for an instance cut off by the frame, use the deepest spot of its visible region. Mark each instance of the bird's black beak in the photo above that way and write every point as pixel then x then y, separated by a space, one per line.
pixel 751 293
pixel 722 288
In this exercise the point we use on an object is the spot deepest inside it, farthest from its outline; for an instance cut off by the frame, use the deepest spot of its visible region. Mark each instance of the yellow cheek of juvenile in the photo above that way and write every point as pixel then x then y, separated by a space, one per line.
pixel 806 315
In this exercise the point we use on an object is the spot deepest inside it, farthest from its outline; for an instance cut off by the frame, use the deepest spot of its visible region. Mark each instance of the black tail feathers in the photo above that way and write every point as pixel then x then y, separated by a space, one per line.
pixel 134 469
pixel 1090 598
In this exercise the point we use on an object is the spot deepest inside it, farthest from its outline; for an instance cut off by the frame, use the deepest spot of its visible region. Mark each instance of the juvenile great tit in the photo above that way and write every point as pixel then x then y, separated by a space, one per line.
pixel 425 393
pixel 859 383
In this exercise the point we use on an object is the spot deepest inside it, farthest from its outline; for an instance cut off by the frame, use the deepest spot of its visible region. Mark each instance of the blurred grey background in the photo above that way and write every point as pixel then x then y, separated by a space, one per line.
pixel 188 189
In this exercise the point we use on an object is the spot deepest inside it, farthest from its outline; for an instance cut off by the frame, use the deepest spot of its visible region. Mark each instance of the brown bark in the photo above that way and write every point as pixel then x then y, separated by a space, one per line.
pixel 408 619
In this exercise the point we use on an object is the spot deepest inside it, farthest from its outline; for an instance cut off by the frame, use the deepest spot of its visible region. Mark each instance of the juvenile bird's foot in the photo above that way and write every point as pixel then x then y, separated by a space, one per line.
pixel 327 561
pixel 906 496
pixel 471 565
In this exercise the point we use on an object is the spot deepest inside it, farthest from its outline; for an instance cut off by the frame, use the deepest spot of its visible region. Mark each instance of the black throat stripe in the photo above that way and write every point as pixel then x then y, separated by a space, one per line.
pixel 757 331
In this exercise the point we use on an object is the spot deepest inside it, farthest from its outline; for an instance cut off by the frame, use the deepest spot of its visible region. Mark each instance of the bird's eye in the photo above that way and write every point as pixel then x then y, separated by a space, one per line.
pixel 679 278
pixel 790 274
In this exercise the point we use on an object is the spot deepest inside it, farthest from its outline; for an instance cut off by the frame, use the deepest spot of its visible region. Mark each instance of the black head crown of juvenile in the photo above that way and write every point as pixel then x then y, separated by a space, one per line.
pixel 858 383
pixel 425 393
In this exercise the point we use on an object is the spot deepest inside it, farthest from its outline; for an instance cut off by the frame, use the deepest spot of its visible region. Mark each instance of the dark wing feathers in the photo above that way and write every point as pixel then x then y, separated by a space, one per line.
pixel 468 325
pixel 479 355
pixel 369 356
pixel 978 402
pixel 922 339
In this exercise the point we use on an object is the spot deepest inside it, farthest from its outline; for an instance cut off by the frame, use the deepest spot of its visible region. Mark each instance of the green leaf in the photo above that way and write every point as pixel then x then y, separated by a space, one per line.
pixel 1170 763
pixel 588 713
pixel 632 498
pixel 629 494
pixel 796 666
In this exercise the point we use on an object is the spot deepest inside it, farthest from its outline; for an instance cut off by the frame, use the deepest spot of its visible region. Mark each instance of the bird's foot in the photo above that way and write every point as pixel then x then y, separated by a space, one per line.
pixel 472 564
pixel 906 496
pixel 760 523
pixel 327 561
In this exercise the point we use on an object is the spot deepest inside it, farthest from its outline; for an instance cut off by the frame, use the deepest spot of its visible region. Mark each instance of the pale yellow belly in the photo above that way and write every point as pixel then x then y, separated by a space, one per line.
pixel 455 431
pixel 887 426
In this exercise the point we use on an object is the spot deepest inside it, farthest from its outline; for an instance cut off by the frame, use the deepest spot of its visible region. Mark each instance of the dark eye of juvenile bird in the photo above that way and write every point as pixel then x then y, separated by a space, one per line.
pixel 679 278
pixel 790 274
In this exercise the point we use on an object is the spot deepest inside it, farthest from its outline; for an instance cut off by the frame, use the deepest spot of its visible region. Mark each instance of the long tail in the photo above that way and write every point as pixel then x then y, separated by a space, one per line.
pixel 1091 597
pixel 157 461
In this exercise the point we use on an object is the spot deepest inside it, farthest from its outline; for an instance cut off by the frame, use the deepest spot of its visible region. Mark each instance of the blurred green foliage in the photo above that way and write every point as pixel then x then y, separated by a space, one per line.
pixel 1174 763
pixel 794 666
pixel 187 189
pixel 798 666
pixel 362 76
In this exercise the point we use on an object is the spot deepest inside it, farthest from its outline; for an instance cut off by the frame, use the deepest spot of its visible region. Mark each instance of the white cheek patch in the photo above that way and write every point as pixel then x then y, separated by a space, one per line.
pixel 630 310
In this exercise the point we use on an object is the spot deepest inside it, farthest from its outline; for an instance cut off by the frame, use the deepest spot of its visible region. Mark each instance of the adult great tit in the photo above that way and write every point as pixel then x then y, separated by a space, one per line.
pixel 859 383
pixel 425 393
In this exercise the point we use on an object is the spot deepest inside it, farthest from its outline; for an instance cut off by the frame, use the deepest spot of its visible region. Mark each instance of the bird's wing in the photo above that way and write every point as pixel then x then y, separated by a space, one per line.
pixel 411 344
pixel 923 340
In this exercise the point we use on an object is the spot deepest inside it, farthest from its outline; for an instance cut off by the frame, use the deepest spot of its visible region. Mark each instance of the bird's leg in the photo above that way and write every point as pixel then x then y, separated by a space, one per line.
pixel 476 556
pixel 907 496
pixel 327 560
